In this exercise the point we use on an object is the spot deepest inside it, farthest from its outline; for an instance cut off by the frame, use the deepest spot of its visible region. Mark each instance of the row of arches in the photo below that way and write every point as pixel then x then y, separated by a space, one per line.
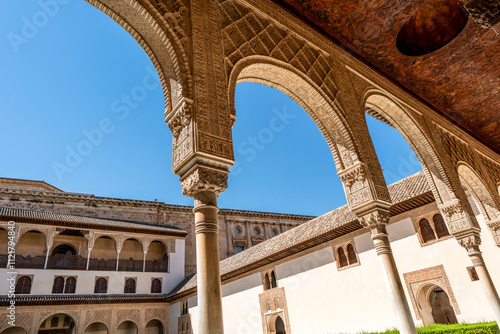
pixel 72 252
pixel 64 324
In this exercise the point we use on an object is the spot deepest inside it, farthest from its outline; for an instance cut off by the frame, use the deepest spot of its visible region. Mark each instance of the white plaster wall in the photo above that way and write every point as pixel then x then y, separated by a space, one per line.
pixel 44 279
pixel 240 302
pixel 174 314
pixel 323 299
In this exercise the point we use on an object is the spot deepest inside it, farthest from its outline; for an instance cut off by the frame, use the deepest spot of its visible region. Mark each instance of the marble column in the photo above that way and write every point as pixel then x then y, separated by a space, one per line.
pixel 471 243
pixel 205 184
pixel 376 221
pixel 207 258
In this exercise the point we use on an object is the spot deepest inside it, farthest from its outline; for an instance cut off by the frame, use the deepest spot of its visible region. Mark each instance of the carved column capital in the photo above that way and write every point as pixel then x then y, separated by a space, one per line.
pixel 456 217
pixel 376 221
pixel 201 178
pixel 471 242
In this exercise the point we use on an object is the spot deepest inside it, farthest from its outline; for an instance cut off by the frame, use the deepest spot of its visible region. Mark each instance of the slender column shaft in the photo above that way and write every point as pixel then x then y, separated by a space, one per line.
pixel 207 257
pixel 47 257
pixel 88 258
pixel 394 285
pixel 144 263
pixel 487 283
pixel 117 260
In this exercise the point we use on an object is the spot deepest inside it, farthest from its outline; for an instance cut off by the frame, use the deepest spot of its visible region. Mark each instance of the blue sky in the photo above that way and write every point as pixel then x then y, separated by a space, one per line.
pixel 64 76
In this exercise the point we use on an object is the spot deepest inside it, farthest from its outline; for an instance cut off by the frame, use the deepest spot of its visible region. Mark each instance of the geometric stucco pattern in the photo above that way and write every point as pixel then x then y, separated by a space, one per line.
pixel 23 320
pixel 416 280
pixel 103 316
pixel 155 313
pixel 129 314
pixel 245 33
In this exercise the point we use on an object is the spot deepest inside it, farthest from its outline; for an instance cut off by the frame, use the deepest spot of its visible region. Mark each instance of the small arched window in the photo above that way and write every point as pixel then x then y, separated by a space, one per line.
pixel 342 258
pixel 273 280
pixel 156 286
pixel 54 322
pixel 70 286
pixel 58 286
pixel 274 232
pixel 440 226
pixel 426 230
pixel 267 281
pixel 351 254
pixel 67 321
pixel 129 285
pixel 23 285
pixel 101 285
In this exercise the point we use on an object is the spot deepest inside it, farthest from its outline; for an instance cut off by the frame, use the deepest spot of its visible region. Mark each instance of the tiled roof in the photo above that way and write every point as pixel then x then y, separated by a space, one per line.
pixel 400 191
pixel 93 222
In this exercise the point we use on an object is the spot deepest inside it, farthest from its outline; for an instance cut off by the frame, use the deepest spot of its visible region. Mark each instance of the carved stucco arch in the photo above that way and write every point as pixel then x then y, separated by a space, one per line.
pixel 156 36
pixel 385 108
pixel 475 187
pixel 75 315
pixel 296 85
pixel 147 321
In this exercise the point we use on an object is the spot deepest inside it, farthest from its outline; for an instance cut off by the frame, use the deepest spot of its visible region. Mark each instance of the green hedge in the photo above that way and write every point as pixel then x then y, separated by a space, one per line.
pixel 479 328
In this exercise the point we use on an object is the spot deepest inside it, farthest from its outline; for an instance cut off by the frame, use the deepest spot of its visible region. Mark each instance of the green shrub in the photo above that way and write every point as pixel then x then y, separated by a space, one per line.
pixel 478 328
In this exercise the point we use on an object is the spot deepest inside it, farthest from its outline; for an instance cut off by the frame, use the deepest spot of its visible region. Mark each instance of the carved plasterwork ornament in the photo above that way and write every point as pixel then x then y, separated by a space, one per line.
pixel 355 185
pixel 471 243
pixel 486 13
pixel 455 216
pixel 180 117
pixel 494 226
pixel 376 221
pixel 201 178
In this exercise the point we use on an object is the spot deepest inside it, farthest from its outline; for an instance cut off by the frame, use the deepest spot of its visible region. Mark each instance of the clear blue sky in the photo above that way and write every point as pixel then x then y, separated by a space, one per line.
pixel 60 75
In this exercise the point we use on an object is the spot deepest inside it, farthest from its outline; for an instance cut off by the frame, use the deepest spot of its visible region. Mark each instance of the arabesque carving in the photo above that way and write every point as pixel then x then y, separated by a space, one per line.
pixel 204 179
pixel 455 216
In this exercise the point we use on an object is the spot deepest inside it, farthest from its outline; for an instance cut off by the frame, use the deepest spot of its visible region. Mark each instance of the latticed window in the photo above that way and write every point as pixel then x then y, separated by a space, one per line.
pixel 129 285
pixel 342 257
pixel 426 230
pixel 54 322
pixel 70 285
pixel 273 279
pixel 440 226
pixel 58 286
pixel 67 321
pixel 23 285
pixel 351 254
pixel 101 285
pixel 156 286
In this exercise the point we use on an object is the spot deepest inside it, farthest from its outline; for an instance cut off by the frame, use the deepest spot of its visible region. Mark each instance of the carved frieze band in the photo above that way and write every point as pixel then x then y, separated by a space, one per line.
pixel 201 178
pixel 494 226
pixel 455 217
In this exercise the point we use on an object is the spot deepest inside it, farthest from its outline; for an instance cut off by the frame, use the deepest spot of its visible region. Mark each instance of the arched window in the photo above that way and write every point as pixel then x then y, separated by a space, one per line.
pixel 351 254
pixel 342 257
pixel 67 321
pixel 70 285
pixel 58 286
pixel 54 322
pixel 426 230
pixel 268 282
pixel 129 285
pixel 64 250
pixel 156 286
pixel 273 279
pixel 440 226
pixel 23 285
pixel 101 285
